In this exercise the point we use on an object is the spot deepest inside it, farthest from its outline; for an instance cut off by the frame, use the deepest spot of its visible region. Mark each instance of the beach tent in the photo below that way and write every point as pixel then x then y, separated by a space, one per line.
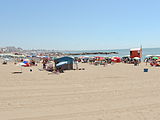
pixel 66 63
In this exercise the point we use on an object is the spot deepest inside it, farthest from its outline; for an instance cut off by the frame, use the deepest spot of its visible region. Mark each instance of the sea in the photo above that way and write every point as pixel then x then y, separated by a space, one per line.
pixel 121 52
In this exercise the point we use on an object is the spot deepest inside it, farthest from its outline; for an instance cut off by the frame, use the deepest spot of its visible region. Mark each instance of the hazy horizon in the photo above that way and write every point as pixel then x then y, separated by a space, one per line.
pixel 77 50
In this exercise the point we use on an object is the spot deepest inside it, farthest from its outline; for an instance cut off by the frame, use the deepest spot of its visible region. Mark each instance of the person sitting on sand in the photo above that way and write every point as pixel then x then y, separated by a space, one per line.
pixel 32 62
pixel 4 62
pixel 50 67
pixel 59 69
pixel 136 62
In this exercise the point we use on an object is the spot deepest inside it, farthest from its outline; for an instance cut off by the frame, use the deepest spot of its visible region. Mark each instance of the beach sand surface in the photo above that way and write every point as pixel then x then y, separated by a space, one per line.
pixel 114 92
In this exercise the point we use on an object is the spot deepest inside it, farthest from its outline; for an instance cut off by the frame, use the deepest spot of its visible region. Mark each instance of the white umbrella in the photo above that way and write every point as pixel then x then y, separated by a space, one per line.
pixel 149 55
pixel 21 64
pixel 136 58
pixel 126 56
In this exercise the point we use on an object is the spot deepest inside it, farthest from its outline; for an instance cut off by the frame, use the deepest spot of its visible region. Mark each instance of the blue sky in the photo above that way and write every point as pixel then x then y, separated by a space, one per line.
pixel 79 24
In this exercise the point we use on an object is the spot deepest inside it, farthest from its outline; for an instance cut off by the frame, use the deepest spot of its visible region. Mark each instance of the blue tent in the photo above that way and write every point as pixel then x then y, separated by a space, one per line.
pixel 68 63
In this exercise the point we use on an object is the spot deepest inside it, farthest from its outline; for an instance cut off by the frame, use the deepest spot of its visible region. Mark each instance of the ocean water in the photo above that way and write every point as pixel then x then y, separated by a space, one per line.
pixel 121 52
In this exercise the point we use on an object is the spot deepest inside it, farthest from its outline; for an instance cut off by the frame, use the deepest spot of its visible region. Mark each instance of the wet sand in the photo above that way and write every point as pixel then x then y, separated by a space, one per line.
pixel 114 92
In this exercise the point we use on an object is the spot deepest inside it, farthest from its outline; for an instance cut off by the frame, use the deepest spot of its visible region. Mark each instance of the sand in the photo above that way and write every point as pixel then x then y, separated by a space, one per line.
pixel 114 92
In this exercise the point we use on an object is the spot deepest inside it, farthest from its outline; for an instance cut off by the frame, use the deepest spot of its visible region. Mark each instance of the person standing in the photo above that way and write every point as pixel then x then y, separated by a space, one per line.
pixel 44 63
pixel 76 64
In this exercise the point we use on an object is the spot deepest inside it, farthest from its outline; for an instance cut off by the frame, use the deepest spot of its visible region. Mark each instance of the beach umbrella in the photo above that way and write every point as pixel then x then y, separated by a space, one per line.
pixel 25 62
pixel 148 56
pixel 116 57
pixel 101 58
pixel 81 57
pixel 21 64
pixel 85 58
pixel 155 58
pixel 61 63
pixel 136 58
pixel 126 56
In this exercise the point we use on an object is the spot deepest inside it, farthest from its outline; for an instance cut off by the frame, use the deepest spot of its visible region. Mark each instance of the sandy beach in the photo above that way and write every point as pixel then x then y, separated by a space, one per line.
pixel 114 92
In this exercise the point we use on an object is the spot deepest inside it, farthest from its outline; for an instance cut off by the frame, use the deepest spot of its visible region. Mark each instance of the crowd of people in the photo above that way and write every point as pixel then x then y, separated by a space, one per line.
pixel 50 65
pixel 109 60
pixel 153 61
